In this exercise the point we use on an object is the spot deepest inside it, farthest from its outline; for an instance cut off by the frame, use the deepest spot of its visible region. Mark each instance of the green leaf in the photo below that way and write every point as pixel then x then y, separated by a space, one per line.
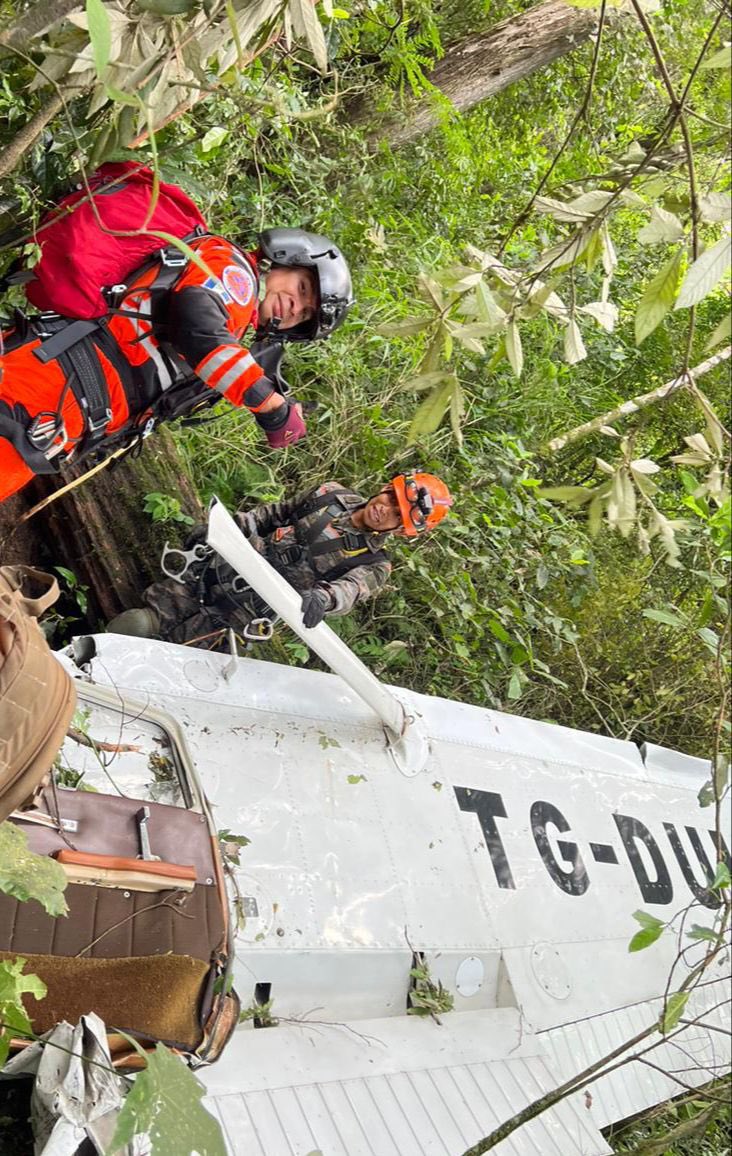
pixel 353 779
pixel 575 494
pixel 164 1103
pixel 407 327
pixel 716 207
pixel 488 308
pixel 664 616
pixel 605 313
pixel 25 875
pixel 432 410
pixel 662 227
pixel 720 333
pixel 13 1016
pixel 514 350
pixel 647 920
pixel 100 34
pixel 721 770
pixel 703 933
pixel 644 466
pixel 468 335
pixel 568 252
pixel 710 638
pixel 644 938
pixel 307 25
pixel 123 97
pixel 658 297
pixel 515 684
pixel 166 7
pixel 499 631
pixel 213 138
pixel 574 346
pixel 427 380
pixel 67 575
pixel 722 879
pixel 457 412
pixel 673 1011
pixel 720 59
pixel 706 272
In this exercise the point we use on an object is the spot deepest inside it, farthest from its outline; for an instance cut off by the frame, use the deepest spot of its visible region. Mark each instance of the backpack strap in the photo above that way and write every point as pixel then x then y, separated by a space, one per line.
pixel 325 501
pixel 172 262
pixel 369 558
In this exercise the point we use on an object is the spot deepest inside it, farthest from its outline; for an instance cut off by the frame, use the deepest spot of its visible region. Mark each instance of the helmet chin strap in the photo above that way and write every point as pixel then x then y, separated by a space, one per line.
pixel 272 327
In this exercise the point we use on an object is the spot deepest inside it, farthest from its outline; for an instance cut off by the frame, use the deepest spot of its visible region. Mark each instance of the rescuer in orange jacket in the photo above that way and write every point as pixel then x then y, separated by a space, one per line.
pixel 171 342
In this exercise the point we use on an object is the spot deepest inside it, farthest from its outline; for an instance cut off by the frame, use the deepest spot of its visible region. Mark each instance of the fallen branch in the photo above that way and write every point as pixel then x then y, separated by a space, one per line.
pixel 685 380
pixel 97 745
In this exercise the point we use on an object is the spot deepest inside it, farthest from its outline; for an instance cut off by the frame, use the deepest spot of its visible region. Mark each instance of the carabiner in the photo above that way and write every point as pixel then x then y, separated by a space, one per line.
pixel 198 554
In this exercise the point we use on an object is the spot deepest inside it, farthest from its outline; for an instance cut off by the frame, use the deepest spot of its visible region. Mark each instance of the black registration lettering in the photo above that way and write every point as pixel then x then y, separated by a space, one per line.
pixel 572 877
pixel 633 832
pixel 488 806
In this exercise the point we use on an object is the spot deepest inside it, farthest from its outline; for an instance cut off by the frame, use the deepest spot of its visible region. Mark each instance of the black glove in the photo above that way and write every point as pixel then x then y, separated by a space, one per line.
pixel 315 604
pixel 197 536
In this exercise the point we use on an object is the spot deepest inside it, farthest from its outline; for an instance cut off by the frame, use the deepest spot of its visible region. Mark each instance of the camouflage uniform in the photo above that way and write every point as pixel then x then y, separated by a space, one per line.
pixel 294 536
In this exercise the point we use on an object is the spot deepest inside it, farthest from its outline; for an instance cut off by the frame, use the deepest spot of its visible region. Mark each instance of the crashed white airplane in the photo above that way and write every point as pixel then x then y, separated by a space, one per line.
pixel 390 833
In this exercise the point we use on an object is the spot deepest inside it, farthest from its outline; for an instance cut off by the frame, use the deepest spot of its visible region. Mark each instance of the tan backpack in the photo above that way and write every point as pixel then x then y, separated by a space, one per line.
pixel 37 696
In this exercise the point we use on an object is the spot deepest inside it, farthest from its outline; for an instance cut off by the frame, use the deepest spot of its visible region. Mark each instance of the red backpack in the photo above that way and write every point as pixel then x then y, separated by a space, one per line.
pixel 78 257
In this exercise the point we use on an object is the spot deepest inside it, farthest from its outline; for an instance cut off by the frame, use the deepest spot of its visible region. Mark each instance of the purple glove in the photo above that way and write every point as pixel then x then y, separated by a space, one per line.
pixel 283 426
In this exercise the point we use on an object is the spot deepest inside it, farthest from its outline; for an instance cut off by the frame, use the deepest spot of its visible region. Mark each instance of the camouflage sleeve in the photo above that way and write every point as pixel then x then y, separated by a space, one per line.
pixel 356 586
pixel 271 515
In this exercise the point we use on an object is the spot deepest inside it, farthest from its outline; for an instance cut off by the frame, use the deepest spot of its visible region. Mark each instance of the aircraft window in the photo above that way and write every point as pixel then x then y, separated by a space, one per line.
pixel 110 751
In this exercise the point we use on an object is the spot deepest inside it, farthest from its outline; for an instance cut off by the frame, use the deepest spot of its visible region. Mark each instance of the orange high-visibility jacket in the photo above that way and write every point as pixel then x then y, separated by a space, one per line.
pixel 153 341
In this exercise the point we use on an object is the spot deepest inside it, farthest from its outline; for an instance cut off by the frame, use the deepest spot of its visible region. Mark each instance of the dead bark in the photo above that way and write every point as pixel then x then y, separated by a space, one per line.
pixel 480 66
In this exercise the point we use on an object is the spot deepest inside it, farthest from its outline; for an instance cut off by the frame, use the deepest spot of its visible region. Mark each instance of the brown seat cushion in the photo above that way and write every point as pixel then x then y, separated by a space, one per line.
pixel 158 996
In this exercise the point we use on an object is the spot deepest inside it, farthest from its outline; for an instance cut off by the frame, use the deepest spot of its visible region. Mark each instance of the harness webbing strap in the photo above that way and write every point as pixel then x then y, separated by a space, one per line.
pixel 352 542
pixel 61 341
pixel 15 430
pixel 370 558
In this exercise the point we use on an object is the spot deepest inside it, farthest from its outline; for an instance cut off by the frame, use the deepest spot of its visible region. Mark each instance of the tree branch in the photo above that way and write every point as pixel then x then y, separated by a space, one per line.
pixel 633 404
pixel 26 137
pixel 36 20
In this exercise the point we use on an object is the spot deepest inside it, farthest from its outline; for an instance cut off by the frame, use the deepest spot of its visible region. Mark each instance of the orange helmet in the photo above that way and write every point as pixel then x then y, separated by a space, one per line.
pixel 423 501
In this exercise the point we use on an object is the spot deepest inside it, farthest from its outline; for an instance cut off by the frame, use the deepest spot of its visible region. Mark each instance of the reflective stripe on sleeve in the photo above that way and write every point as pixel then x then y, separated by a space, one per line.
pixel 215 363
pixel 227 366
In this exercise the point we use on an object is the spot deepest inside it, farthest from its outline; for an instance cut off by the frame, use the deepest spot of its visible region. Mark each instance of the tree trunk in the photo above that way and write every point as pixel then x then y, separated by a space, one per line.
pixel 480 66
pixel 100 531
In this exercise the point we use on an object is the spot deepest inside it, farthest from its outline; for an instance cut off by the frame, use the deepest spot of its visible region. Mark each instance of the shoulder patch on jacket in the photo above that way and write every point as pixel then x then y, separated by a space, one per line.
pixel 240 283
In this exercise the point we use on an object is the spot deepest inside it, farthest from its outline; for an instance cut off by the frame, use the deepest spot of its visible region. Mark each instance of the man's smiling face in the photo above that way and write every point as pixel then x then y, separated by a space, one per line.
pixel 381 513
pixel 289 294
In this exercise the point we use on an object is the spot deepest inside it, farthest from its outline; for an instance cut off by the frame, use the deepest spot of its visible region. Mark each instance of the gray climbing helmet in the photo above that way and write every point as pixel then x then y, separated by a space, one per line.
pixel 311 251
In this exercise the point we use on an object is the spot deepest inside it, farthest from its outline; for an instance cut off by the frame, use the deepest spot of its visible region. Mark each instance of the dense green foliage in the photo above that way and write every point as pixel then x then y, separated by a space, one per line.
pixel 583 583
pixel 513 605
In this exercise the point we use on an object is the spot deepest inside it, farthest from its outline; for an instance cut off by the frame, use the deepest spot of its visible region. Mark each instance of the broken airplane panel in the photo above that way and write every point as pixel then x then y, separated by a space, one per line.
pixel 511 862
pixel 378 836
